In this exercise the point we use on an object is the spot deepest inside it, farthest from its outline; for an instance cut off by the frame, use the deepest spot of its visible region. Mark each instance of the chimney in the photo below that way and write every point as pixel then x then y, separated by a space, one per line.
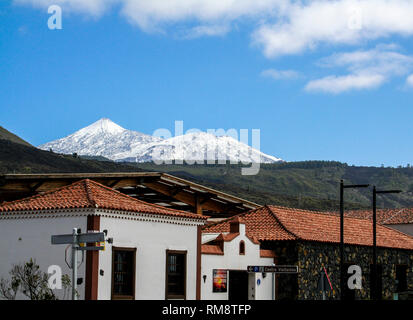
pixel 234 225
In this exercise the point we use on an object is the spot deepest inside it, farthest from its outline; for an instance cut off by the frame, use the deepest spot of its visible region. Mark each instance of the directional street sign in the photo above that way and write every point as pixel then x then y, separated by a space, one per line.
pixel 80 238
pixel 274 269
pixel 62 239
pixel 78 242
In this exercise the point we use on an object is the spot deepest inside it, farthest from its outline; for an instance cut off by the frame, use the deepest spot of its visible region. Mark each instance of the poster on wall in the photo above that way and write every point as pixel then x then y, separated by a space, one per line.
pixel 219 280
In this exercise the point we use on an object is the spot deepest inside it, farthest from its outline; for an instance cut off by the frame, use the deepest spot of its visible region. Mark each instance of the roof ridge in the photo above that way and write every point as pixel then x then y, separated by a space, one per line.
pixel 392 216
pixel 299 209
pixel 89 193
pixel 328 213
pixel 281 224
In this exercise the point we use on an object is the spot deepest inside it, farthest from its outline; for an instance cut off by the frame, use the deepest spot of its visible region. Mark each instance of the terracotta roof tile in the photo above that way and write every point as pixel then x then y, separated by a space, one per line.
pixel 211 249
pixel 384 216
pixel 227 236
pixel 90 194
pixel 280 223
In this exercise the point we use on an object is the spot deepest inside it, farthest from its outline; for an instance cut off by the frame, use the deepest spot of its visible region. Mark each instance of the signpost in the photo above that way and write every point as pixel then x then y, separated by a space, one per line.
pixel 75 240
pixel 324 283
pixel 274 269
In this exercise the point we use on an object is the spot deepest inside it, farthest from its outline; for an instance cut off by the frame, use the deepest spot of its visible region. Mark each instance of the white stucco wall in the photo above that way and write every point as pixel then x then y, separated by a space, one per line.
pixel 231 260
pixel 151 240
pixel 35 233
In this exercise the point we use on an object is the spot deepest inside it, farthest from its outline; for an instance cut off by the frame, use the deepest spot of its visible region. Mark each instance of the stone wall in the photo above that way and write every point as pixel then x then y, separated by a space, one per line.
pixel 312 256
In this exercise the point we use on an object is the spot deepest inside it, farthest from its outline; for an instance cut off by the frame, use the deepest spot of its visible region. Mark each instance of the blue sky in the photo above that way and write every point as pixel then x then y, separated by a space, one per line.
pixel 318 86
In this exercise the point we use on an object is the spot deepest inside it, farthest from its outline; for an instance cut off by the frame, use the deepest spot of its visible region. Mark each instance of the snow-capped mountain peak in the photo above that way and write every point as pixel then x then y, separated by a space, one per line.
pixel 104 125
pixel 106 138
pixel 101 138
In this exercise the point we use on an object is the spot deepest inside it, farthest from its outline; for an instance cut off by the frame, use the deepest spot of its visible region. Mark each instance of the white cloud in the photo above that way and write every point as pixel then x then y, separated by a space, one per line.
pixel 152 14
pixel 306 25
pixel 155 15
pixel 334 84
pixel 367 69
pixel 206 30
pixel 372 61
pixel 280 74
pixel 409 80
pixel 280 27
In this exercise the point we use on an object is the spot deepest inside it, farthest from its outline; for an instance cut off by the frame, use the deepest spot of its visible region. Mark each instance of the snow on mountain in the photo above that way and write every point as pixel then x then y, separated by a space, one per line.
pixel 101 138
pixel 106 138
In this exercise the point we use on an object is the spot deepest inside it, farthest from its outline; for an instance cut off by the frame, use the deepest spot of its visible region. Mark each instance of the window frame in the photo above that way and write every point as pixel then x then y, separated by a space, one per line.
pixel 123 297
pixel 185 254
pixel 241 243
pixel 405 277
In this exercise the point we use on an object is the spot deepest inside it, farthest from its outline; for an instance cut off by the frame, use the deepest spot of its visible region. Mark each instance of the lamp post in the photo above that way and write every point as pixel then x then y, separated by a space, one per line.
pixel 373 288
pixel 342 187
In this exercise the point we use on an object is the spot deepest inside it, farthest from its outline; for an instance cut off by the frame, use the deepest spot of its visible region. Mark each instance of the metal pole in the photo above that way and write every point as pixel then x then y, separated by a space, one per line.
pixel 273 284
pixel 323 289
pixel 341 240
pixel 373 283
pixel 74 264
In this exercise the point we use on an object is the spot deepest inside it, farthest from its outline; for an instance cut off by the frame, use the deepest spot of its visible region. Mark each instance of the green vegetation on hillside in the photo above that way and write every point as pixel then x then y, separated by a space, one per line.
pixel 18 158
pixel 7 135
pixel 308 184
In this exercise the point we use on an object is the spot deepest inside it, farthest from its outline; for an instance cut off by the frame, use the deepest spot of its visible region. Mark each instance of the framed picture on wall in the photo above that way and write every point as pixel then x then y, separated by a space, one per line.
pixel 219 278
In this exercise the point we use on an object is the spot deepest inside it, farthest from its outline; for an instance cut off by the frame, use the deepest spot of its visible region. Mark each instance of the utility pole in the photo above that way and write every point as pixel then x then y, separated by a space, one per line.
pixel 74 264
pixel 342 187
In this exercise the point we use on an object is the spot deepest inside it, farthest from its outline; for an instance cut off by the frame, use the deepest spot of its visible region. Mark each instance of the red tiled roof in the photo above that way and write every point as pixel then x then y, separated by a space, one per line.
pixel 211 249
pixel 259 224
pixel 384 216
pixel 280 223
pixel 227 237
pixel 90 194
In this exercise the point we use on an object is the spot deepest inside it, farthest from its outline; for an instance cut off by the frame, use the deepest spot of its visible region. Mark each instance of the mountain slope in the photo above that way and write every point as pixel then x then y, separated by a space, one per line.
pixel 106 138
pixel 306 185
pixel 18 158
pixel 7 135
pixel 102 138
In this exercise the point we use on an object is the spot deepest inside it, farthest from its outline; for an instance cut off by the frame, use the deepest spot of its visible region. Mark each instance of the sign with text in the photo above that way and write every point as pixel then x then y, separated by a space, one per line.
pixel 80 238
pixel 274 269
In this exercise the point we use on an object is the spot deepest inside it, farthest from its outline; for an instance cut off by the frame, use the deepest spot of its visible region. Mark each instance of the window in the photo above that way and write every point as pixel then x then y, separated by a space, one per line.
pixel 175 286
pixel 401 278
pixel 242 247
pixel 123 273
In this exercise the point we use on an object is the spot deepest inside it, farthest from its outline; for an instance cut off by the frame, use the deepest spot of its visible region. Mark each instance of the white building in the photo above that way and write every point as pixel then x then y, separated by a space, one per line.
pixel 155 252
pixel 225 258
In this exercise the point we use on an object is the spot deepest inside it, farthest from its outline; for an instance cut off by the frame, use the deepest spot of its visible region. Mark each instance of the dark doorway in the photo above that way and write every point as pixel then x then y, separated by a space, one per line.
pixel 238 286
pixel 376 284
pixel 401 277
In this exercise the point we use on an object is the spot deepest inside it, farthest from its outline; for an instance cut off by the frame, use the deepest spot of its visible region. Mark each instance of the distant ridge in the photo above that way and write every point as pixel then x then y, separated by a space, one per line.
pixel 7 135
